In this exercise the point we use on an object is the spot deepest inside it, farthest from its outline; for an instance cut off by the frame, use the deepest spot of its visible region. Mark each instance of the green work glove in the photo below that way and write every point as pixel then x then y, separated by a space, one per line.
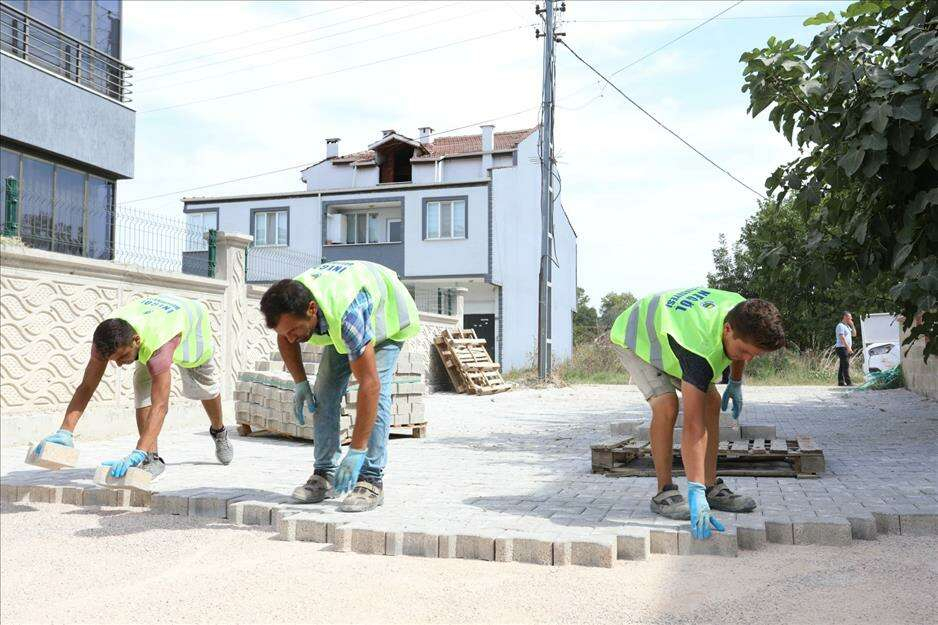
pixel 347 475
pixel 734 391
pixel 303 395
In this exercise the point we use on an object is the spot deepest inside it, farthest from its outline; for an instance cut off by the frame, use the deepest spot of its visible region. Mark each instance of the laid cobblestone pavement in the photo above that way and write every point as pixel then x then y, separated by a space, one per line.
pixel 519 462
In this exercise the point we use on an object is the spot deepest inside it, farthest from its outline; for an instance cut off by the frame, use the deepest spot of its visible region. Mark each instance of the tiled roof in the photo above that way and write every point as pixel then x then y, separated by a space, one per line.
pixel 453 146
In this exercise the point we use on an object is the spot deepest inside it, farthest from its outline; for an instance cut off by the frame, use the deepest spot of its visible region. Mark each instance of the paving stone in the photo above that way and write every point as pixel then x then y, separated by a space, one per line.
pixel 447 546
pixel 633 543
pixel 924 523
pixel 887 521
pixel 530 550
pixel 169 504
pixel 393 543
pixel 862 526
pixel 722 544
pixel 832 531
pixel 251 512
pixel 134 478
pixel 663 540
pixel 597 551
pixel 421 544
pixel 368 541
pixel 757 431
pixel 100 497
pixel 8 492
pixel 475 547
pixel 750 534
pixel 53 457
pixel 778 530
pixel 563 553
pixel 342 538
pixel 72 495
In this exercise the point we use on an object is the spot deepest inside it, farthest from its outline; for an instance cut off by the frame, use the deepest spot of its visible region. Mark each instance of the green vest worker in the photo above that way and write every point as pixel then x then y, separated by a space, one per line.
pixel 683 340
pixel 362 313
pixel 155 333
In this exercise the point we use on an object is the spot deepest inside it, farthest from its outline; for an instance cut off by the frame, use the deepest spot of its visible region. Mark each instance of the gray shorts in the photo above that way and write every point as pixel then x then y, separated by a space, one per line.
pixel 199 383
pixel 650 380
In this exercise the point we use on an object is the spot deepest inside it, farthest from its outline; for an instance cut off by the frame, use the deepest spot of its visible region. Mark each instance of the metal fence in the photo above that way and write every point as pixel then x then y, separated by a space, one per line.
pixel 439 301
pixel 267 264
pixel 53 50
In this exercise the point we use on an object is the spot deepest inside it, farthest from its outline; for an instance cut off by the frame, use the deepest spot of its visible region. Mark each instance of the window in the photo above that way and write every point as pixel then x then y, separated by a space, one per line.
pixel 361 228
pixel 271 227
pixel 9 168
pixel 444 219
pixel 69 211
pixel 395 231
pixel 77 20
pixel 198 223
pixel 100 240
pixel 36 203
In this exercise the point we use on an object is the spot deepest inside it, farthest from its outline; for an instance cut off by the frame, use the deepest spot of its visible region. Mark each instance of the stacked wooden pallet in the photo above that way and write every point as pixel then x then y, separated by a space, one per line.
pixel 264 396
pixel 468 364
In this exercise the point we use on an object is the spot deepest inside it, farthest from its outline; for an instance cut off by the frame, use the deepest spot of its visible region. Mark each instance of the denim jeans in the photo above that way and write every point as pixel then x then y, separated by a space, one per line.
pixel 331 384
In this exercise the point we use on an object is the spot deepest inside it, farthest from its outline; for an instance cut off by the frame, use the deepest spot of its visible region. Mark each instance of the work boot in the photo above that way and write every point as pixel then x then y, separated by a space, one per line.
pixel 154 465
pixel 671 504
pixel 364 497
pixel 720 497
pixel 223 449
pixel 317 488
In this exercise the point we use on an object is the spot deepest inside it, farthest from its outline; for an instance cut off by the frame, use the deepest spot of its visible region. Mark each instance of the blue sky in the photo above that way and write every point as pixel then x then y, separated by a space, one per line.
pixel 647 210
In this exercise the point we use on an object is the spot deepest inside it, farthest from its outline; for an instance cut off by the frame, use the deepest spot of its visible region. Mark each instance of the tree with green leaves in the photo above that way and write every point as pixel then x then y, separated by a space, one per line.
pixel 861 104
pixel 585 319
pixel 611 306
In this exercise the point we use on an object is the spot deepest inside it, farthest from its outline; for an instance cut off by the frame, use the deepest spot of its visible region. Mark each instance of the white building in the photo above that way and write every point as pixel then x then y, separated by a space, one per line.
pixel 444 213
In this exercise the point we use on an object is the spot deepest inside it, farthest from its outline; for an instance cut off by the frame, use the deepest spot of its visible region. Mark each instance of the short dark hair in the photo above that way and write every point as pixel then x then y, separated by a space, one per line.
pixel 111 335
pixel 758 322
pixel 286 296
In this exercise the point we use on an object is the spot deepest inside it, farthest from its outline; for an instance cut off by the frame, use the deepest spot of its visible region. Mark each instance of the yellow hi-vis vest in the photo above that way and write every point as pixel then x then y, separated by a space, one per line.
pixel 694 317
pixel 158 319
pixel 335 285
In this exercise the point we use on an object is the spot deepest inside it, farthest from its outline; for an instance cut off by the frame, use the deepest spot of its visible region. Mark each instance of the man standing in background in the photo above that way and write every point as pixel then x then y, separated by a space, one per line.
pixel 845 332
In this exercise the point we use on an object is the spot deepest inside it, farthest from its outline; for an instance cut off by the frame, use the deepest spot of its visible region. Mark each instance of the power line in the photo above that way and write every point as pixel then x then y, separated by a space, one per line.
pixel 344 69
pixel 683 19
pixel 313 53
pixel 257 43
pixel 249 30
pixel 654 119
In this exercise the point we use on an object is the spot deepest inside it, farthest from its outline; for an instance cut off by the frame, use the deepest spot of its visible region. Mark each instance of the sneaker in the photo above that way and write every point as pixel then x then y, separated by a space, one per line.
pixel 720 497
pixel 671 504
pixel 223 449
pixel 364 497
pixel 154 465
pixel 317 488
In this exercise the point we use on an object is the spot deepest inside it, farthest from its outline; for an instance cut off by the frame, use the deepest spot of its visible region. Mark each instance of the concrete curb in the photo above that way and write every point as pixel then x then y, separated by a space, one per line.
pixel 601 548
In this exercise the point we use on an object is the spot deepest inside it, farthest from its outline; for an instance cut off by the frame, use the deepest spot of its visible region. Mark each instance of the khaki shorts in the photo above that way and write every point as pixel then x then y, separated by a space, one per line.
pixel 650 380
pixel 199 383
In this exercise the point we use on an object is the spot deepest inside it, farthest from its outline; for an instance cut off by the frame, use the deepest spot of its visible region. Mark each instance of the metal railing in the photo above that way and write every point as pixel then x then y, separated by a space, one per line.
pixel 32 40
pixel 438 301
pixel 268 264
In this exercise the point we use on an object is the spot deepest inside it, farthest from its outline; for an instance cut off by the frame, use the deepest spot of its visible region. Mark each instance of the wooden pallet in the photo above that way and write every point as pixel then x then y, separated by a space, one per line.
pixel 468 364
pixel 246 429
pixel 798 457
pixel 413 430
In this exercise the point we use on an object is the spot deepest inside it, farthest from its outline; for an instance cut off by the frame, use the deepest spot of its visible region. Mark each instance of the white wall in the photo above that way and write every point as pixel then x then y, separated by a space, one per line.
pixel 445 258
pixel 423 173
pixel 458 169
pixel 325 175
pixel 564 287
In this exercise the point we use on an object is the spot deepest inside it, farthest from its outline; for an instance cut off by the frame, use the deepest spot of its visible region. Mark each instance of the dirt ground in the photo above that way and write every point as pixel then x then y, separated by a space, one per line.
pixel 61 564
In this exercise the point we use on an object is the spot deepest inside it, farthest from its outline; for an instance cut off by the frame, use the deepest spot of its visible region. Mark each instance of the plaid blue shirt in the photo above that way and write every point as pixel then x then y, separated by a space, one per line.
pixel 356 325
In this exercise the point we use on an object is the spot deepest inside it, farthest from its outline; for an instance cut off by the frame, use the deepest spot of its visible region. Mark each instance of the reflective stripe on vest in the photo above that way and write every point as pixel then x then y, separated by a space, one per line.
pixel 160 318
pixel 694 317
pixel 335 285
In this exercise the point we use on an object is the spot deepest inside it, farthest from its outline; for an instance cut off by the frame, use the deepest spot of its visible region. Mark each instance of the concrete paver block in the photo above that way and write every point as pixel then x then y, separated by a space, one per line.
pixel 447 546
pixel 8 493
pixel 472 547
pixel 887 521
pixel 766 432
pixel 100 497
pixel 251 512
pixel 134 478
pixel 750 534
pixel 596 551
pixel 633 543
pixel 54 457
pixel 833 531
pixel 529 550
pixel 394 543
pixel 169 504
pixel 722 544
pixel 663 540
pixel 421 544
pixel 139 498
pixel 563 553
pixel 368 541
pixel 286 527
pixel 779 530
pixel 863 526
pixel 342 538
pixel 924 523
pixel 72 495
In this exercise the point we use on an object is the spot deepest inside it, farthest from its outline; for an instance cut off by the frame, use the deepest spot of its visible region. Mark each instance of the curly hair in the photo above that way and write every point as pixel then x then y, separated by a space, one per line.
pixel 758 321
pixel 286 296
pixel 111 335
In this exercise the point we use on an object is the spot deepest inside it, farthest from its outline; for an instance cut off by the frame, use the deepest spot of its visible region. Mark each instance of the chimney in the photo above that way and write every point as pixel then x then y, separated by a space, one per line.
pixel 385 133
pixel 488 138
pixel 332 147
pixel 425 133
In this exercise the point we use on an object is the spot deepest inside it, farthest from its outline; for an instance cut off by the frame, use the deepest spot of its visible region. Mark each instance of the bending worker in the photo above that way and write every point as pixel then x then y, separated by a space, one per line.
pixel 362 313
pixel 153 332
pixel 683 340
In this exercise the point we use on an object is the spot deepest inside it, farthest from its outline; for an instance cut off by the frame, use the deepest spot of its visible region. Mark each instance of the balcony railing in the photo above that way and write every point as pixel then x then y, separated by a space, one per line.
pixel 53 50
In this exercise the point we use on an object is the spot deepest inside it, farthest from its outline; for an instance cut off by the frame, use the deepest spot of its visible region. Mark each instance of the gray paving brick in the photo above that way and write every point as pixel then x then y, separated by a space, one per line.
pixel 368 541
pixel 633 543
pixel 663 540
pixel 887 521
pixel 779 530
pixel 475 547
pixel 750 534
pixel 924 523
pixel 72 495
pixel 722 544
pixel 832 531
pixel 563 553
pixel 527 549
pixel 251 512
pixel 597 551
pixel 99 497
pixel 342 538
pixel 447 546
pixel 421 544
pixel 862 526
pixel 169 504
pixel 393 543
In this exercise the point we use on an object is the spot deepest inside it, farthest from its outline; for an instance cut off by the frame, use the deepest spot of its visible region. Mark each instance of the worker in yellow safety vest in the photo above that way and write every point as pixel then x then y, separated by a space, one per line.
pixel 154 333
pixel 683 340
pixel 362 313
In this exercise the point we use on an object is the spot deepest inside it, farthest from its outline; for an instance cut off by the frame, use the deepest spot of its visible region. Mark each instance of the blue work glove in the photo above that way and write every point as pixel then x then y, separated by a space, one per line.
pixel 734 391
pixel 119 467
pixel 62 437
pixel 700 519
pixel 303 395
pixel 347 475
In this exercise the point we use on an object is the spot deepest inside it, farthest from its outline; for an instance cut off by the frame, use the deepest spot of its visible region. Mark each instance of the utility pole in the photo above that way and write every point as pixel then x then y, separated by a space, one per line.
pixel 547 196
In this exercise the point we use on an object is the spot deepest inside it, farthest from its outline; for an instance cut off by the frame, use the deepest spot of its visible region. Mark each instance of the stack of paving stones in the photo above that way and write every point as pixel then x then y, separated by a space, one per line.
pixel 264 396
